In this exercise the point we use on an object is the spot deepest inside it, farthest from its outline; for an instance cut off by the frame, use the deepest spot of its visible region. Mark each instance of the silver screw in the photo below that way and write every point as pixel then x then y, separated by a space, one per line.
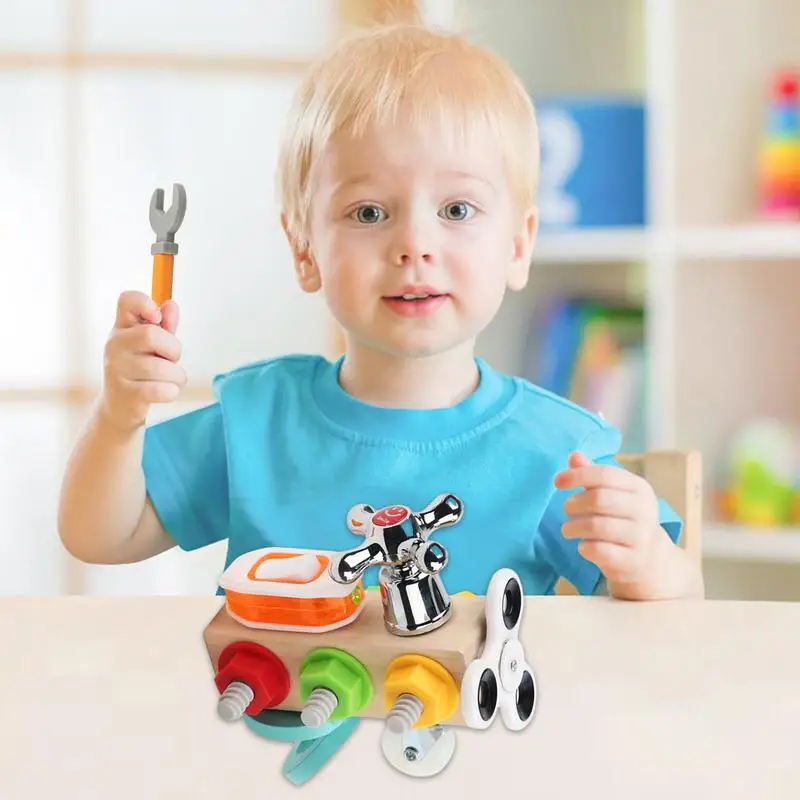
pixel 410 753
pixel 320 705
pixel 404 714
pixel 233 702
pixel 513 666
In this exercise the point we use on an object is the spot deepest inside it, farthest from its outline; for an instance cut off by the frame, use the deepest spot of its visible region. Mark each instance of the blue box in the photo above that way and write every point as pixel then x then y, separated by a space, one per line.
pixel 593 162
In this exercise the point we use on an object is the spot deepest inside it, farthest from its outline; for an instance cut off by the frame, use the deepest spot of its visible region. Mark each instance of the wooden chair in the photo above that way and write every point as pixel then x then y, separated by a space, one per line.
pixel 676 476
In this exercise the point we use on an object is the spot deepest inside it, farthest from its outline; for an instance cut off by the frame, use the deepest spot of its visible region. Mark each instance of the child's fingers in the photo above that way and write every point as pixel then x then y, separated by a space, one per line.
pixel 576 460
pixel 134 308
pixel 170 316
pixel 613 560
pixel 153 368
pixel 146 340
pixel 622 532
pixel 602 501
pixel 595 475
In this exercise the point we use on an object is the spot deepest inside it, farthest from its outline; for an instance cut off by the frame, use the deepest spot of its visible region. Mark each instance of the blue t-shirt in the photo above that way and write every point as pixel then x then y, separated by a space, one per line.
pixel 284 453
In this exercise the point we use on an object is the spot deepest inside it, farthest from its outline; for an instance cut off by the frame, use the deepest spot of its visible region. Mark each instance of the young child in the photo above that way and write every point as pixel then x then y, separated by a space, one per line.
pixel 407 180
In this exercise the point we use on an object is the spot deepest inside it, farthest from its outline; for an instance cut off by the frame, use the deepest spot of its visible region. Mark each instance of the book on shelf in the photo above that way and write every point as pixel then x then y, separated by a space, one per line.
pixel 592 352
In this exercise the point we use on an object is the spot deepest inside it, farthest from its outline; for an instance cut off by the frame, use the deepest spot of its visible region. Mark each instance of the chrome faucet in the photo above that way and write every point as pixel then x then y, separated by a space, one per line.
pixel 414 598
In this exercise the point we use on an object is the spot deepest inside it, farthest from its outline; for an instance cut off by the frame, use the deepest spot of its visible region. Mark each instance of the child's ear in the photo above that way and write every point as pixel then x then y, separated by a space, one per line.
pixel 520 265
pixel 308 276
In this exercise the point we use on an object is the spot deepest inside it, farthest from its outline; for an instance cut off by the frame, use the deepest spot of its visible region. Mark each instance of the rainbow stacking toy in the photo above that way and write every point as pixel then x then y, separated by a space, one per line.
pixel 780 154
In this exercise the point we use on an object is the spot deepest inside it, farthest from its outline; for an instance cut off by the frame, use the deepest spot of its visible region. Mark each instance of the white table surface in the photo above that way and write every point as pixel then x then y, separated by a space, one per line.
pixel 113 698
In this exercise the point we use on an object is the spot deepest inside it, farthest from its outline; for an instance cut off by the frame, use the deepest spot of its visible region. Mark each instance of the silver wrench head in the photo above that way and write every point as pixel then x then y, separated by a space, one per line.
pixel 166 223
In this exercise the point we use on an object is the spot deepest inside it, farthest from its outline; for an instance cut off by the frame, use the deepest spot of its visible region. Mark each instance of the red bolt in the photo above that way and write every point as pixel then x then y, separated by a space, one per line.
pixel 259 668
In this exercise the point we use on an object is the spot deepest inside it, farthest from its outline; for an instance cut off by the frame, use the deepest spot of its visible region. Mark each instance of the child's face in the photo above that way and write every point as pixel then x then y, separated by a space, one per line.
pixel 395 215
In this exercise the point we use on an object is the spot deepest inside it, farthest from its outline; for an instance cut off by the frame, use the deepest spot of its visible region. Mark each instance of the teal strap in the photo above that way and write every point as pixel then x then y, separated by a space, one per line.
pixel 285 726
pixel 313 747
pixel 307 758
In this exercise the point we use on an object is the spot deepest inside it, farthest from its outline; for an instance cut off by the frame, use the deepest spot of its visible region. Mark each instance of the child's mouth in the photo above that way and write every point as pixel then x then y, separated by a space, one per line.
pixel 420 305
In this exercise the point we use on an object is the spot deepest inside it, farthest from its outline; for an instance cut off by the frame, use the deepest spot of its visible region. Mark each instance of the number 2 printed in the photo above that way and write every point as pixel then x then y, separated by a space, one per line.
pixel 561 153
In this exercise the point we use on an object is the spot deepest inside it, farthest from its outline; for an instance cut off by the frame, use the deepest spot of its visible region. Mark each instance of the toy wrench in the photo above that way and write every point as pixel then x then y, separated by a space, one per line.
pixel 165 225
pixel 500 678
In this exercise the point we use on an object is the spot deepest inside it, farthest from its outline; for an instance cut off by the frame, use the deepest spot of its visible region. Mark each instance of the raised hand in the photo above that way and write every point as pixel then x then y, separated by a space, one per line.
pixel 141 360
pixel 615 515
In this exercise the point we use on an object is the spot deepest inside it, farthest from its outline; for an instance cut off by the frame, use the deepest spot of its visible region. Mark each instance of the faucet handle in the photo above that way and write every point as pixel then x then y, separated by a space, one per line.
pixel 364 520
pixel 394 535
pixel 348 567
pixel 359 518
pixel 430 557
pixel 442 512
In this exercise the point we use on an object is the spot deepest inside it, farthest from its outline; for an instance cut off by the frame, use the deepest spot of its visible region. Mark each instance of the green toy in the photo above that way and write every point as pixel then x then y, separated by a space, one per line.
pixel 762 485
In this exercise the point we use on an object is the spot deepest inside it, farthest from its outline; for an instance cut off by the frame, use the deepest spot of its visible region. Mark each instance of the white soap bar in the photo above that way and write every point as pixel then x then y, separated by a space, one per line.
pixel 298 568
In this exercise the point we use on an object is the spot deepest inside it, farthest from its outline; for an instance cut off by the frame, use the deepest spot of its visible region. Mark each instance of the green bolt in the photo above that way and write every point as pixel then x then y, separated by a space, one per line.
pixel 340 673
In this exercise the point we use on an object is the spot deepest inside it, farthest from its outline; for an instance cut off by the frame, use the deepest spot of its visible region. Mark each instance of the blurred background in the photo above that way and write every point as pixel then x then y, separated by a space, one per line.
pixel 665 282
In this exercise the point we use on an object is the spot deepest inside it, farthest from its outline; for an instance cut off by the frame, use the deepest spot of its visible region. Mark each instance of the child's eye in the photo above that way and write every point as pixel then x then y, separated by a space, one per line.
pixel 456 212
pixel 368 215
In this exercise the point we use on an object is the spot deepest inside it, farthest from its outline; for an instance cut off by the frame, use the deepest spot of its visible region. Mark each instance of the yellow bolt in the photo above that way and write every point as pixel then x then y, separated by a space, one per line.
pixel 428 681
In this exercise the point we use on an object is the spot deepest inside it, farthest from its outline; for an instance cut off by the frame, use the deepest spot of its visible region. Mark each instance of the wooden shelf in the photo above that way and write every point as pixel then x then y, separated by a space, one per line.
pixel 598 245
pixel 763 241
pixel 177 62
pixel 742 543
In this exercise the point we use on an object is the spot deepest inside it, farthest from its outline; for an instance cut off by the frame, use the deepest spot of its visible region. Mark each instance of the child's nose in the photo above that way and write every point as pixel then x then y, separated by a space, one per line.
pixel 412 245
pixel 408 257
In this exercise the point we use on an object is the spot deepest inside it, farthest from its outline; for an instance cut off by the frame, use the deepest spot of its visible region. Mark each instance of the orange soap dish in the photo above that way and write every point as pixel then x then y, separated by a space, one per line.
pixel 289 589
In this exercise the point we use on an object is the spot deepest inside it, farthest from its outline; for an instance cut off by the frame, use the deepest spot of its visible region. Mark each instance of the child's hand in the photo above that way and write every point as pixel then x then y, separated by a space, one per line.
pixel 616 517
pixel 141 360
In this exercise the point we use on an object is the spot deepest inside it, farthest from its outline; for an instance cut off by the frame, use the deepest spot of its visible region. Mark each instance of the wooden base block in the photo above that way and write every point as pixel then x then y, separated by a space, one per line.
pixel 454 645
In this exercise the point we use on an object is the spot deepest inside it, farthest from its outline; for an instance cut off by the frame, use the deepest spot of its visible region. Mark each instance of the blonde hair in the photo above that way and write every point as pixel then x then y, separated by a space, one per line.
pixel 430 77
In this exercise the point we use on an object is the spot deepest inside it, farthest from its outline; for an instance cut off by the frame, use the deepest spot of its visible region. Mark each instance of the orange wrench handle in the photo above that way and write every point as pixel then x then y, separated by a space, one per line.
pixel 162 277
